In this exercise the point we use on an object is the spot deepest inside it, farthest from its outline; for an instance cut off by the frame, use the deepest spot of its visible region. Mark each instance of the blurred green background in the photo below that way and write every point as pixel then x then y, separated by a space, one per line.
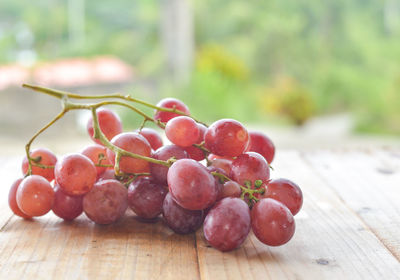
pixel 281 62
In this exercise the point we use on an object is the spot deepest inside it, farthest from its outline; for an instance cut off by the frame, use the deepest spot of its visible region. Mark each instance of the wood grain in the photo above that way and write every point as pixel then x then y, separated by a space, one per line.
pixel 346 229
pixel 369 183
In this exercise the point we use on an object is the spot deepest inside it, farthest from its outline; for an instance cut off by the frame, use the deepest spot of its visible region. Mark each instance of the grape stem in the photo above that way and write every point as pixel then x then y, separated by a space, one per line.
pixel 60 94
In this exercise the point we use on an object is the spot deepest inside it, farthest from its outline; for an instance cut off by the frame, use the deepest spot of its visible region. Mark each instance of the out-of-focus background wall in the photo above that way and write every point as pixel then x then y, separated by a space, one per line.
pixel 309 73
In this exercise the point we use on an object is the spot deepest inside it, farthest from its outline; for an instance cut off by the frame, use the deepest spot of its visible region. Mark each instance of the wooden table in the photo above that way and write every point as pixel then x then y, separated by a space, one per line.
pixel 349 228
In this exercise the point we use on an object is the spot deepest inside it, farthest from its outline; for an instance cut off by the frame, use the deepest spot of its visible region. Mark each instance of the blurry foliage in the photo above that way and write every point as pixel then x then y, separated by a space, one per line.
pixel 289 99
pixel 343 55
pixel 219 86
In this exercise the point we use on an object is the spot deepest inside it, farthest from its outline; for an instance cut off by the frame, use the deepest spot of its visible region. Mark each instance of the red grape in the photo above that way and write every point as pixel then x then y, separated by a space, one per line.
pixel 106 202
pixel 12 200
pixel 66 206
pixel 46 158
pixel 227 224
pixel 146 198
pixel 170 103
pixel 194 152
pixel 75 174
pixel 181 220
pixel 211 157
pixel 109 123
pixel 224 164
pixel 226 137
pixel 260 143
pixel 94 152
pixel 134 143
pixel 182 131
pixel 107 175
pixel 231 189
pixel 250 167
pixel 191 185
pixel 35 196
pixel 272 222
pixel 287 192
pixel 152 137
pixel 158 171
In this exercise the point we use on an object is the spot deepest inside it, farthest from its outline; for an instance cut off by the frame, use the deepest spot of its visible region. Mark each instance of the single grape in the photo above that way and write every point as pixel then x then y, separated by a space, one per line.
pixel 65 206
pixel 35 196
pixel 260 143
pixel 286 192
pixel 170 103
pixel 107 175
pixel 194 152
pixel 134 143
pixel 224 164
pixel 45 157
pixel 106 202
pixel 75 174
pixel 181 220
pixel 211 157
pixel 231 189
pixel 146 197
pixel 158 171
pixel 109 123
pixel 12 200
pixel 191 185
pixel 98 155
pixel 227 224
pixel 249 167
pixel 152 137
pixel 226 137
pixel 272 222
pixel 182 131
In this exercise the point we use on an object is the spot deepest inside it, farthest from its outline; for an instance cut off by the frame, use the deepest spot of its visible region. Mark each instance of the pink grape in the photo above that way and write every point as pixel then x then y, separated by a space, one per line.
pixel 75 174
pixel 182 131
pixel 272 222
pixel 109 123
pixel 46 158
pixel 94 153
pixel 224 164
pixel 158 171
pixel 249 167
pixel 226 137
pixel 65 206
pixel 231 189
pixel 227 224
pixel 35 196
pixel 146 197
pixel 194 152
pixel 134 143
pixel 286 192
pixel 191 185
pixel 170 103
pixel 152 137
pixel 260 143
pixel 12 200
pixel 107 175
pixel 179 219
pixel 106 202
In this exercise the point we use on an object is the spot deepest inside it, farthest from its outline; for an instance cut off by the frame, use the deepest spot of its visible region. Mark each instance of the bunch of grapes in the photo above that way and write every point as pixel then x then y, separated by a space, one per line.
pixel 215 176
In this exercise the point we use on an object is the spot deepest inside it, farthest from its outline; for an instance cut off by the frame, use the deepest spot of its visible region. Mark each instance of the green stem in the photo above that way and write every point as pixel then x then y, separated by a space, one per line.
pixel 28 145
pixel 60 94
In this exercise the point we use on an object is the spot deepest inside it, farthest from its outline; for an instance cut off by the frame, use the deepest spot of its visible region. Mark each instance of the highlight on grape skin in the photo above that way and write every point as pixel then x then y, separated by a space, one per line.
pixel 217 176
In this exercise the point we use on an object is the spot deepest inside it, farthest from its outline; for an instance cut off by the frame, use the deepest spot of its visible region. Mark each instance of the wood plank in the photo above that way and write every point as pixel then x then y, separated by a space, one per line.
pixel 48 248
pixel 369 183
pixel 331 242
